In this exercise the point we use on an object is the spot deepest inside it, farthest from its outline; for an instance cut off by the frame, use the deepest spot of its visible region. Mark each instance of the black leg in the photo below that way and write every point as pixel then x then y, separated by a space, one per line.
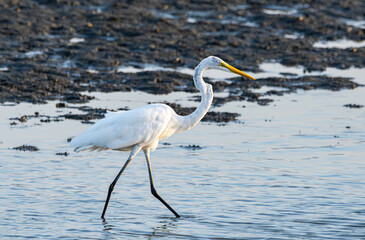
pixel 111 187
pixel 153 190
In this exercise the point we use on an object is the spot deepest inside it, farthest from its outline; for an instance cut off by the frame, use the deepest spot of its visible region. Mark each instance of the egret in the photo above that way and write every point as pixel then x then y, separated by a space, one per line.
pixel 144 127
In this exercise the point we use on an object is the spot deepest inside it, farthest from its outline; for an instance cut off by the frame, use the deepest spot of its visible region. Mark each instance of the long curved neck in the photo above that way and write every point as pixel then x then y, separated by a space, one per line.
pixel 206 100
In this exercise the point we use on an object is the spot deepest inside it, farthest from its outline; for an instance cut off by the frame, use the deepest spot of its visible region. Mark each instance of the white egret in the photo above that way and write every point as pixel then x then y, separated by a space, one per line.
pixel 144 127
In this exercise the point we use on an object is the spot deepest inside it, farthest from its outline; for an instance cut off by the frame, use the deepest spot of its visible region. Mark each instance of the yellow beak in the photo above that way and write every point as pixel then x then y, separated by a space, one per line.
pixel 235 70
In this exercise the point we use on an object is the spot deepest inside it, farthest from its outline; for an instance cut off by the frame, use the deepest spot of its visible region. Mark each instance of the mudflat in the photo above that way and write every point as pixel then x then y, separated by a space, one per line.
pixel 57 49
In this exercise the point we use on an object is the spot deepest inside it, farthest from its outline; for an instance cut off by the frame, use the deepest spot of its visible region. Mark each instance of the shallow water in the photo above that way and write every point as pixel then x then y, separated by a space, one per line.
pixel 290 170
pixel 342 43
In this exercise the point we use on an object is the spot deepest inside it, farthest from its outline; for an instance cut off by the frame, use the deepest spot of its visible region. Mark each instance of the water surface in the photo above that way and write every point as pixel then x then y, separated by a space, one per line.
pixel 290 170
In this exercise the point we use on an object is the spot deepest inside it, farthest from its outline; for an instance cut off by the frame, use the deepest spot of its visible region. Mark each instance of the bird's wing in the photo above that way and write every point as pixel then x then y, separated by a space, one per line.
pixel 123 130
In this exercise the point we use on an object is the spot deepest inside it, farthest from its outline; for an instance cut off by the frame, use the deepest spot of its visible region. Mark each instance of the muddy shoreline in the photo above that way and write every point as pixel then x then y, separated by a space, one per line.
pixel 54 50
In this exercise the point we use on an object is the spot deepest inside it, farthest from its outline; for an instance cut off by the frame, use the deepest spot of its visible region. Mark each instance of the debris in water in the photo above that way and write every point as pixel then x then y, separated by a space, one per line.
pixel 23 118
pixel 29 148
pixel 60 105
pixel 192 147
pixel 353 105
pixel 62 154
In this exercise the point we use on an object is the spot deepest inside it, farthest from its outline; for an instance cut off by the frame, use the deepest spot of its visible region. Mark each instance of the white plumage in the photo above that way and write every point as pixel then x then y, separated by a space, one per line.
pixel 123 130
pixel 142 128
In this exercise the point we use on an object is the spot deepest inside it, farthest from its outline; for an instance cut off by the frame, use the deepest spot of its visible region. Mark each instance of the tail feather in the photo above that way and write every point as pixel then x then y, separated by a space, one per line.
pixel 83 148
pixel 80 144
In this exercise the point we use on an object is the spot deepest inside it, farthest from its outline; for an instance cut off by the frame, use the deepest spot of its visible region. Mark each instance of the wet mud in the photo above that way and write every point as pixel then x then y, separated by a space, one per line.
pixel 58 50
pixel 211 116
pixel 40 117
pixel 90 114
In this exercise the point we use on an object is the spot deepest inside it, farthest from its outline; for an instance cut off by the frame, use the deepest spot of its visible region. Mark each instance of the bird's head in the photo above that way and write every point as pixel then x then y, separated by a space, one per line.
pixel 217 63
